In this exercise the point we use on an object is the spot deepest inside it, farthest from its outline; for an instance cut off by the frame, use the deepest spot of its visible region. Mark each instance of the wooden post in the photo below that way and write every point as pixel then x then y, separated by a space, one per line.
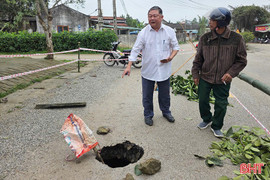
pixel 114 18
pixel 100 17
pixel 79 56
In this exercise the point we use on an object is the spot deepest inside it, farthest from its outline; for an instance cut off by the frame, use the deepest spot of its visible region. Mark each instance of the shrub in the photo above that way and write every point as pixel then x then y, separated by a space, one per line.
pixel 248 36
pixel 31 42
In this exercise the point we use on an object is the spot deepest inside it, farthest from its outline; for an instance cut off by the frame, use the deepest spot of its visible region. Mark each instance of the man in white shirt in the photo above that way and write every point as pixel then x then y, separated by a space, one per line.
pixel 159 45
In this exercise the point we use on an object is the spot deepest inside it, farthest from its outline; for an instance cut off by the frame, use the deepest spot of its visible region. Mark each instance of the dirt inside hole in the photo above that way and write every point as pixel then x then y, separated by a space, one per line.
pixel 121 155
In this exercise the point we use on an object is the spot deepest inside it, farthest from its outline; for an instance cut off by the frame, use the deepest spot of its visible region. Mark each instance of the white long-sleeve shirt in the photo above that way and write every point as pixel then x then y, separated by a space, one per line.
pixel 155 46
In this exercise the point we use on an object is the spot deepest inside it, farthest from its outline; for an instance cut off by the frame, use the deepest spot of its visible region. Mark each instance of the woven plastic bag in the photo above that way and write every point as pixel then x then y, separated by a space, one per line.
pixel 78 136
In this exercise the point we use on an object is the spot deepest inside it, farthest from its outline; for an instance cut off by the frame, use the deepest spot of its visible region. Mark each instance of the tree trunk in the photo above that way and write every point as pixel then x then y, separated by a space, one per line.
pixel 49 44
pixel 48 33
pixel 47 26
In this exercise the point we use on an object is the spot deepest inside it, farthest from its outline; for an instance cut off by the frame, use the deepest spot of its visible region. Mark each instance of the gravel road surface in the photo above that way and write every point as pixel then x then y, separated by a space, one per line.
pixel 32 147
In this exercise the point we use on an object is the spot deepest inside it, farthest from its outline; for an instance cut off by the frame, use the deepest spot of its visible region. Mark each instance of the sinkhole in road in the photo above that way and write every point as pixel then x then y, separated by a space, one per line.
pixel 121 155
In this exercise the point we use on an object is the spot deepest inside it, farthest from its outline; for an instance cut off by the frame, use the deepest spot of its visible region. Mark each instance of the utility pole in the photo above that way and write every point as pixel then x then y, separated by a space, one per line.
pixel 100 18
pixel 114 17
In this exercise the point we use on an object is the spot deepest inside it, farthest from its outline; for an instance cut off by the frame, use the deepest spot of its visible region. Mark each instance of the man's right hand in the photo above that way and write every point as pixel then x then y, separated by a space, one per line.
pixel 126 72
pixel 196 81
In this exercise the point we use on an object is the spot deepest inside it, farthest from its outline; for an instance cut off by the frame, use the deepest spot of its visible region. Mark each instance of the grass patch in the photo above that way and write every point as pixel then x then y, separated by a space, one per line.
pixel 82 63
pixel 24 85
pixel 18 107
pixel 30 52
pixel 14 89
pixel 44 52
pixel 122 48
pixel 64 61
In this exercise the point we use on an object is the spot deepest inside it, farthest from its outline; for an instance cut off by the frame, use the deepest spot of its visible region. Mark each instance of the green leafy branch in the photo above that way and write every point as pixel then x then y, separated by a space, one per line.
pixel 187 87
pixel 243 145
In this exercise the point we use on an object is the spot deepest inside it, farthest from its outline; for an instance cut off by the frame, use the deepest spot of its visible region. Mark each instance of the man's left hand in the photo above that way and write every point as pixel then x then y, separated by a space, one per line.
pixel 166 60
pixel 227 78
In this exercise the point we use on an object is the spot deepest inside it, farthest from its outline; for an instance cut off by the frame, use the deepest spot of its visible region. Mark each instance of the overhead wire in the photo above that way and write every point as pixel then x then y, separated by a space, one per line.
pixel 172 5
pixel 138 5
pixel 124 6
pixel 185 4
pixel 143 8
pixel 201 4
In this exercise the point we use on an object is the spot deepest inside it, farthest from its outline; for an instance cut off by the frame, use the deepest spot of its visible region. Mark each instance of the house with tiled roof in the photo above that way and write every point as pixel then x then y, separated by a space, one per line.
pixel 182 30
pixel 122 26
pixel 68 19
pixel 108 20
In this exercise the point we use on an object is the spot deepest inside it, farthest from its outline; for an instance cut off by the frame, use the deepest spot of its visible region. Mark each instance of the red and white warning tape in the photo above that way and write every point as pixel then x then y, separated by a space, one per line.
pixel 43 69
pixel 41 54
pixel 74 50
pixel 96 50
pixel 102 59
pixel 38 70
pixel 34 71
pixel 267 131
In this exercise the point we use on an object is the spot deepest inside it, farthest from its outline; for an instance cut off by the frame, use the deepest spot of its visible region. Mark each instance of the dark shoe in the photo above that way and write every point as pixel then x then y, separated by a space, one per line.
pixel 148 121
pixel 204 125
pixel 169 117
pixel 217 133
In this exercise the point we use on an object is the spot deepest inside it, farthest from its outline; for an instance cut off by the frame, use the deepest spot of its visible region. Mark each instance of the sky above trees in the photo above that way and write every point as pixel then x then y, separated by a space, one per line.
pixel 173 10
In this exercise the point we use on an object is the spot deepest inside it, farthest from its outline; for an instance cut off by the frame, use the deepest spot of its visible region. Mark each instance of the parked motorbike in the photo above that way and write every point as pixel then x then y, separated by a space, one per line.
pixel 116 54
pixel 265 41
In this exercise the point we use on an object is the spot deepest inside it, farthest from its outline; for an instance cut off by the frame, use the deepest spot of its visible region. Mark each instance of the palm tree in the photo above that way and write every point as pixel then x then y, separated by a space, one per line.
pixel 203 22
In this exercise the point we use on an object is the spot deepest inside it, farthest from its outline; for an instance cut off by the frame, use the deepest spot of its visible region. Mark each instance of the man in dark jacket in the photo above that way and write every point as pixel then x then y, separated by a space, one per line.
pixel 221 55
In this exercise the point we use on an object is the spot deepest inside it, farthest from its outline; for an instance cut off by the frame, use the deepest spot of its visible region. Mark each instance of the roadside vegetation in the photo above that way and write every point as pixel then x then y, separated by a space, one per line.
pixel 24 42
pixel 26 84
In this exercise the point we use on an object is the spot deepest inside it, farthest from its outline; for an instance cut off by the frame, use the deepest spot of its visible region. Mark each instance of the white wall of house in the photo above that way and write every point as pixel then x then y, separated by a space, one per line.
pixel 127 39
pixel 67 17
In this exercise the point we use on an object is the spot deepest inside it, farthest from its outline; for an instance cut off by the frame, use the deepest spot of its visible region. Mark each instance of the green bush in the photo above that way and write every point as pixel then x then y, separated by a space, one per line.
pixel 33 42
pixel 248 36
pixel 22 42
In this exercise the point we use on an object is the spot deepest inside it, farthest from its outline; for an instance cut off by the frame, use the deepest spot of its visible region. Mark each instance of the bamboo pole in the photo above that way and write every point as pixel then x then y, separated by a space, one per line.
pixel 177 69
pixel 183 64
pixel 255 83
pixel 79 56
pixel 190 41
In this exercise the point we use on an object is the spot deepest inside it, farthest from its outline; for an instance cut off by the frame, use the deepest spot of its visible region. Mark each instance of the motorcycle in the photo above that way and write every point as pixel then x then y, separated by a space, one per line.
pixel 265 41
pixel 116 54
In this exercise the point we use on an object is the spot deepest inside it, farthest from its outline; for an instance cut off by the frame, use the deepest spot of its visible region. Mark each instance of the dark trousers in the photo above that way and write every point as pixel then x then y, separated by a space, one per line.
pixel 163 96
pixel 221 94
